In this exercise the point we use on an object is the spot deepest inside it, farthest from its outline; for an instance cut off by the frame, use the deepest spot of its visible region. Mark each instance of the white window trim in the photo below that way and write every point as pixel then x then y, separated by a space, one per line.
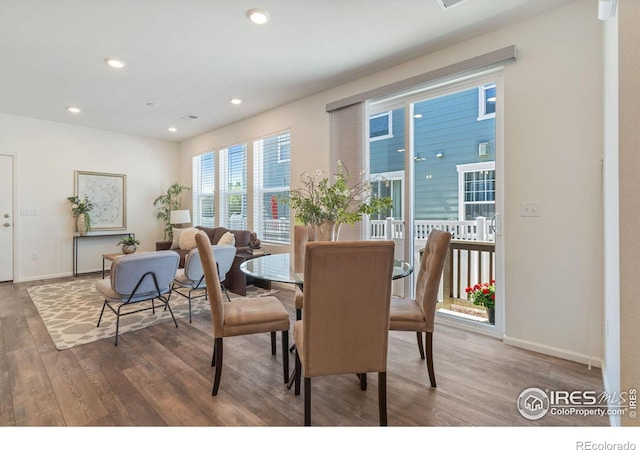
pixel 482 102
pixel 464 168
pixel 389 115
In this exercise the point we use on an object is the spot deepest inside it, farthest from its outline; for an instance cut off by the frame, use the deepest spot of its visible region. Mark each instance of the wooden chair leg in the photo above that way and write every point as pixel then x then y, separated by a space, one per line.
pixel 307 401
pixel 213 358
pixel 273 342
pixel 420 347
pixel 218 364
pixel 298 371
pixel 363 381
pixel 432 375
pixel 382 398
pixel 285 355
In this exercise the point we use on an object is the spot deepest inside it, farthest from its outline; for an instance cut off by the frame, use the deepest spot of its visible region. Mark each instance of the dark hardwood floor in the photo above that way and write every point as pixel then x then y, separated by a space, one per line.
pixel 162 376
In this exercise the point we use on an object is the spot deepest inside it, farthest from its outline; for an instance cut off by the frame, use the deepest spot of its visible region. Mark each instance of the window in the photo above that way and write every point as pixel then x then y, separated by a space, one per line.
pixel 487 101
pixel 389 184
pixel 233 187
pixel 477 190
pixel 380 126
pixel 203 191
pixel 271 180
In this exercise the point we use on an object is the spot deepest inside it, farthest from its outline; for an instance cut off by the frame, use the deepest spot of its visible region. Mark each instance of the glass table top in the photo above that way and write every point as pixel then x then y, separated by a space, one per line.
pixel 279 267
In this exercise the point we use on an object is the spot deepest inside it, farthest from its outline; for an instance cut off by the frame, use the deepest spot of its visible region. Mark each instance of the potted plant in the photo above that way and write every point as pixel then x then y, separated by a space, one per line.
pixel 167 202
pixel 129 244
pixel 80 208
pixel 484 295
pixel 327 205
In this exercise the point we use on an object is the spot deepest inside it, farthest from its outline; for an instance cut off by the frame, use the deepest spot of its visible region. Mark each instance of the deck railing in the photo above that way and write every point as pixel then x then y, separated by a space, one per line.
pixel 471 256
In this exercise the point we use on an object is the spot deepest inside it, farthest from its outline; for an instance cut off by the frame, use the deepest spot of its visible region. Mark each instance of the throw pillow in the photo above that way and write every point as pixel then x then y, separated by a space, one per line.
pixel 188 239
pixel 176 237
pixel 227 239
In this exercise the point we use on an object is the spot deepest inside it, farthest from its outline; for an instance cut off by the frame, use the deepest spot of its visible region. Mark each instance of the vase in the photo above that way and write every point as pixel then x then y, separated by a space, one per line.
pixel 491 314
pixel 82 223
pixel 129 248
pixel 327 230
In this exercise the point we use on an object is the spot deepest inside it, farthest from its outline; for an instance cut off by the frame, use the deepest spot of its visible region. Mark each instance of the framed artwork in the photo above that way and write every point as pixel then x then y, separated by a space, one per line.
pixel 107 192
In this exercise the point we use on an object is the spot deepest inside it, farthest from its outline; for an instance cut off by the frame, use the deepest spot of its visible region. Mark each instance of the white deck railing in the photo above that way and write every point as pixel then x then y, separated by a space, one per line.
pixel 463 230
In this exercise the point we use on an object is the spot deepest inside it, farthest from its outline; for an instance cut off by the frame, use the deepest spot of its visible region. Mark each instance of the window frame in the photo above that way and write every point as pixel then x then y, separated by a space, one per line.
pixel 197 194
pixel 389 134
pixel 482 102
pixel 468 168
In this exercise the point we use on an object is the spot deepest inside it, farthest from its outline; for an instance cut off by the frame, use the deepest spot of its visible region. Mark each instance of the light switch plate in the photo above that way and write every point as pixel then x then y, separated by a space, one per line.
pixel 530 209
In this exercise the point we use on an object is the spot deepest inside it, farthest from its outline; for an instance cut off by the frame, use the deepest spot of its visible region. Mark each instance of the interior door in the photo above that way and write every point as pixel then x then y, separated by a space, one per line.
pixel 6 218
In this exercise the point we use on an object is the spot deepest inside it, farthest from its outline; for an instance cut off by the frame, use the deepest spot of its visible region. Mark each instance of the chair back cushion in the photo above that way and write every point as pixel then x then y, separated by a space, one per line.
pixel 430 274
pixel 127 270
pixel 193 265
pixel 213 282
pixel 223 255
pixel 301 235
pixel 347 292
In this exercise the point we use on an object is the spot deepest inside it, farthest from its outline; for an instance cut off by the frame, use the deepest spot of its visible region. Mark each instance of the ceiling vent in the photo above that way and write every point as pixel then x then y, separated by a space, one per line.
pixel 190 117
pixel 446 4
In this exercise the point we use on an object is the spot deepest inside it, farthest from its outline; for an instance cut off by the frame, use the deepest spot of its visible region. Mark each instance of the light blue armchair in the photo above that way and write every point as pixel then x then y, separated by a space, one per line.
pixel 192 276
pixel 138 278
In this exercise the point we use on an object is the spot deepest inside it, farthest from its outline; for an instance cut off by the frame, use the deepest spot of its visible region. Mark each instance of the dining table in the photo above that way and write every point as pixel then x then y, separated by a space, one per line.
pixel 279 267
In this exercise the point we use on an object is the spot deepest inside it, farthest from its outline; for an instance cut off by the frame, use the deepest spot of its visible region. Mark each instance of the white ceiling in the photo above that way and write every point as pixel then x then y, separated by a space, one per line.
pixel 190 57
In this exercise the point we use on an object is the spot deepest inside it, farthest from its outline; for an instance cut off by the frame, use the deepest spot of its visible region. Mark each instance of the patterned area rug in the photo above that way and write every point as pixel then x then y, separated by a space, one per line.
pixel 70 311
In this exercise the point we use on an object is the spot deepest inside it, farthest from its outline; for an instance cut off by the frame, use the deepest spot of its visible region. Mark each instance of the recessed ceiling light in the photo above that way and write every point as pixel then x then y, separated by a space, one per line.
pixel 236 101
pixel 258 16
pixel 74 109
pixel 173 129
pixel 115 63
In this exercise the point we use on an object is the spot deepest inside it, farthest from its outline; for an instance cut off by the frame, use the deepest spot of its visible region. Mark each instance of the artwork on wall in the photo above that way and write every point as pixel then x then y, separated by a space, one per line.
pixel 107 191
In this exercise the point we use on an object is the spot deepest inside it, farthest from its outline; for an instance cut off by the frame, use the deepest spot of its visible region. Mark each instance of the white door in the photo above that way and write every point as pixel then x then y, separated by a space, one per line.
pixel 6 218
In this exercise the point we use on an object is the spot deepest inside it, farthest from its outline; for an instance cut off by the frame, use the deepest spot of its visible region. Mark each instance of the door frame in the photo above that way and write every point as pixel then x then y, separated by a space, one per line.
pixel 14 221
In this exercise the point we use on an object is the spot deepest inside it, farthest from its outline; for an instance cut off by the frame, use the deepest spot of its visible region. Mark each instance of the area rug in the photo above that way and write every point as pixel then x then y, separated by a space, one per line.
pixel 70 312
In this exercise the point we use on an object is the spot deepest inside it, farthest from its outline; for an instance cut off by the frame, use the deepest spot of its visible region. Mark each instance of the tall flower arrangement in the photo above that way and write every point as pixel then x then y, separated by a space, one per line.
pixel 319 200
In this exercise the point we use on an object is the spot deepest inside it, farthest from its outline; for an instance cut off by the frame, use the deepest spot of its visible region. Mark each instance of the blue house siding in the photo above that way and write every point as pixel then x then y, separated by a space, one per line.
pixel 450 125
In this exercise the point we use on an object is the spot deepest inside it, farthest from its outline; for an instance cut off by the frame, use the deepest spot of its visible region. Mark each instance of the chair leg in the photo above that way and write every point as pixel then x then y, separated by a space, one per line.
pixel 297 374
pixel 363 381
pixel 285 355
pixel 225 291
pixel 432 375
pixel 117 324
pixel 101 312
pixel 218 364
pixel 420 347
pixel 189 306
pixel 213 358
pixel 273 342
pixel 307 401
pixel 382 398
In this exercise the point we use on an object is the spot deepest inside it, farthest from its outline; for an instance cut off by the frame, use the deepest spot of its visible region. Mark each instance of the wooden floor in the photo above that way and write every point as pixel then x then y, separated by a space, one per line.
pixel 162 375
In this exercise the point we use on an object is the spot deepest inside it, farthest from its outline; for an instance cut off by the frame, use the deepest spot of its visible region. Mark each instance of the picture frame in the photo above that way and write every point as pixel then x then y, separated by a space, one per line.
pixel 107 192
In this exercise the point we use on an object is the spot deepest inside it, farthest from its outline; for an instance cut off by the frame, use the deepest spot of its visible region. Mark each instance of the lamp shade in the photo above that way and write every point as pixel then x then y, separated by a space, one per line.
pixel 180 216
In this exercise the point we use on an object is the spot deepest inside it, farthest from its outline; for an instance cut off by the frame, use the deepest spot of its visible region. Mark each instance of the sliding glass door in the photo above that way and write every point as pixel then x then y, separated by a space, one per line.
pixel 438 149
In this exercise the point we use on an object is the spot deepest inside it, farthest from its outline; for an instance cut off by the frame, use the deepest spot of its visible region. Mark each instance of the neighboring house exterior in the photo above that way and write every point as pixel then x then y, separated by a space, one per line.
pixel 454 155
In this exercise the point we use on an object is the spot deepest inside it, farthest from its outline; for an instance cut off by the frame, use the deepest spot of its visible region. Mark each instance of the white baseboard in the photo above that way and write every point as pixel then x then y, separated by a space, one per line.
pixel 43 277
pixel 554 351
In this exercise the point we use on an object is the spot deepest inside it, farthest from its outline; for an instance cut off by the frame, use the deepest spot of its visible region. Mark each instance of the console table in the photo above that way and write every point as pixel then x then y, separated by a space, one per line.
pixel 77 238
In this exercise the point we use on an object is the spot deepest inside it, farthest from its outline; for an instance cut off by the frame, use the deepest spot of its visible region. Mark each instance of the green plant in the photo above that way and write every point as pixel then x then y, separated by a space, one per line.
pixel 319 200
pixel 166 203
pixel 81 206
pixel 483 294
pixel 129 240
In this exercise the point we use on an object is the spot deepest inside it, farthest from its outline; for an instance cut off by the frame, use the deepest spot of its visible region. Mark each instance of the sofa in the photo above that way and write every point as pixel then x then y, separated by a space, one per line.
pixel 241 241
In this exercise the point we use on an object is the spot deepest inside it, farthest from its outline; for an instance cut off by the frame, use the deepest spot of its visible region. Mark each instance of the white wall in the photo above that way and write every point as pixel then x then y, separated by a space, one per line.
pixel 46 155
pixel 553 148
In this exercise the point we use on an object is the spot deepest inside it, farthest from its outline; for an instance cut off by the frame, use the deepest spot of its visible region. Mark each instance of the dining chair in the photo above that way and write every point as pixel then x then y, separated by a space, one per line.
pixel 301 235
pixel 191 277
pixel 345 327
pixel 137 278
pixel 242 316
pixel 419 314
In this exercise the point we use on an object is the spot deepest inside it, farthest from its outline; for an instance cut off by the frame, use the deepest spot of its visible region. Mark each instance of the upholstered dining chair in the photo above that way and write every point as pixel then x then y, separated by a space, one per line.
pixel 418 314
pixel 345 325
pixel 137 278
pixel 191 277
pixel 301 235
pixel 240 317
